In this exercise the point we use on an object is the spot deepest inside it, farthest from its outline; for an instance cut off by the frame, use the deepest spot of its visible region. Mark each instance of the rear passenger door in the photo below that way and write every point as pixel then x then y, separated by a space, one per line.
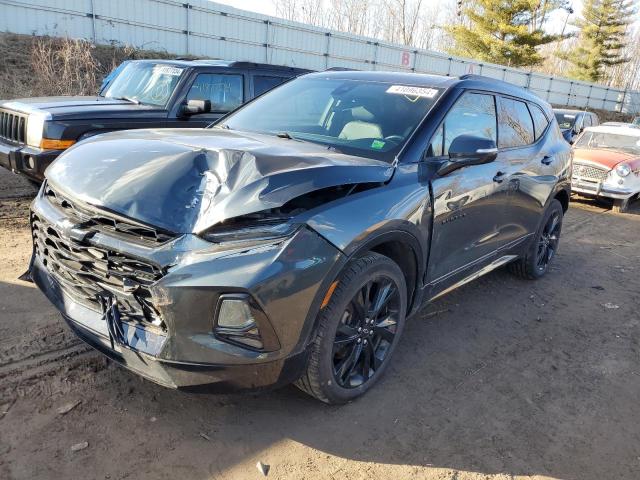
pixel 528 163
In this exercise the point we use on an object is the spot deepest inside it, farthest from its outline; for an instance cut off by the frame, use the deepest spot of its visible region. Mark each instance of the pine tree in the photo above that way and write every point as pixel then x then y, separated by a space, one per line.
pixel 503 31
pixel 602 36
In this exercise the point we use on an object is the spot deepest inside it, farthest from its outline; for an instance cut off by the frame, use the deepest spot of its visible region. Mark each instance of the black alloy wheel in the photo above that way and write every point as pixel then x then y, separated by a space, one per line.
pixel 548 241
pixel 357 331
pixel 366 332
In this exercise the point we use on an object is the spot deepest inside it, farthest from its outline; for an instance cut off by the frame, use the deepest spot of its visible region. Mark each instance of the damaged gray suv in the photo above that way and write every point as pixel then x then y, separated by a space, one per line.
pixel 291 241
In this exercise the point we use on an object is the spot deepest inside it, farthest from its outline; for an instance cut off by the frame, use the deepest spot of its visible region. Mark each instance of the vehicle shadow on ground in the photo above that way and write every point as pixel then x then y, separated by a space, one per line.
pixel 503 376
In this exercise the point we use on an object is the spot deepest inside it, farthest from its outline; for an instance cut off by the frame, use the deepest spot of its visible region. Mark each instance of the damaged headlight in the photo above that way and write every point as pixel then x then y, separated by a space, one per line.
pixel 258 232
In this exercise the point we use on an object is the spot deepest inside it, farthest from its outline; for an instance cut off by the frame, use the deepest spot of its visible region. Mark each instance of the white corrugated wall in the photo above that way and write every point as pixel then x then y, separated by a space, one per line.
pixel 208 29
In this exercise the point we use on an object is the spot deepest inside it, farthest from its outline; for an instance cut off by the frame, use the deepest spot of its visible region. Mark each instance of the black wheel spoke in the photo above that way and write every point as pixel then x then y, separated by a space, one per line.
pixel 383 296
pixel 354 360
pixel 366 360
pixel 384 333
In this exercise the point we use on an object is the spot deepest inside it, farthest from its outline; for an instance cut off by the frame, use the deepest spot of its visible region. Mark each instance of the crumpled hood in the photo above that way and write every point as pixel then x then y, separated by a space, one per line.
pixel 187 180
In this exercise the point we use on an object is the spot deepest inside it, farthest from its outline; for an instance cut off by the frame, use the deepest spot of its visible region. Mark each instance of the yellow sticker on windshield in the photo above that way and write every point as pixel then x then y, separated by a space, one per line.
pixel 412 91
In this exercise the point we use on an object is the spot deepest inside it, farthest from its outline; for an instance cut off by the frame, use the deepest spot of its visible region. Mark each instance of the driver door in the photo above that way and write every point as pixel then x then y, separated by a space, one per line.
pixel 469 204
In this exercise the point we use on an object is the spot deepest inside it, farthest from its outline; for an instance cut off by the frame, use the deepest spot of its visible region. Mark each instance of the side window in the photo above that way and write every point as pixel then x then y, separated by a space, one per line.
pixel 262 83
pixel 540 121
pixel 473 114
pixel 595 121
pixel 515 124
pixel 587 121
pixel 224 91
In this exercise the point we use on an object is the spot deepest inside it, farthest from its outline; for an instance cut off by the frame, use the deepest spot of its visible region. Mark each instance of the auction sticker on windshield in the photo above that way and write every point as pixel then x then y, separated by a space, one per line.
pixel 412 91
pixel 167 70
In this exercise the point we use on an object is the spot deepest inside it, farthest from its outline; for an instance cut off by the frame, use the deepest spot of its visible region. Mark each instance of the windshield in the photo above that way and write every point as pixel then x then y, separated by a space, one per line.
pixel 368 119
pixel 624 143
pixel 565 120
pixel 144 82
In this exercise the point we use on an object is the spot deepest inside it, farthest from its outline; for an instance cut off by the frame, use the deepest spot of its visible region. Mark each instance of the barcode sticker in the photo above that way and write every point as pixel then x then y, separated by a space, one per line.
pixel 167 70
pixel 412 91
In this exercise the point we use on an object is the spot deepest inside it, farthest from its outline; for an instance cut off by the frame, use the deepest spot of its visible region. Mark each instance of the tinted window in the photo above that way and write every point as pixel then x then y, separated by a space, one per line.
pixel 565 120
pixel 263 84
pixel 540 121
pixel 515 124
pixel 473 114
pixel 224 91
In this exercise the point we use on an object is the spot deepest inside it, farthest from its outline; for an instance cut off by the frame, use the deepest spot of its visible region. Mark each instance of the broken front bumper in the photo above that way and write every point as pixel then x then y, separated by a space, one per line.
pixel 286 279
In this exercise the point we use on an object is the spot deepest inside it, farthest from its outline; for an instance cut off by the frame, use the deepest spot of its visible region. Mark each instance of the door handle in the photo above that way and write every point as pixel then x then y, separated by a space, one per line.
pixel 547 160
pixel 499 178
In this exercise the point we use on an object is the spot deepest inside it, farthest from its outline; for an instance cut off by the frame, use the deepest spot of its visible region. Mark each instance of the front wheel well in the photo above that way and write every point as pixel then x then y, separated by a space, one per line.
pixel 563 197
pixel 402 254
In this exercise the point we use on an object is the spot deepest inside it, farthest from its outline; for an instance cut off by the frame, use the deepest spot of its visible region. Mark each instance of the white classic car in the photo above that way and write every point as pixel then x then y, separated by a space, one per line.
pixel 606 163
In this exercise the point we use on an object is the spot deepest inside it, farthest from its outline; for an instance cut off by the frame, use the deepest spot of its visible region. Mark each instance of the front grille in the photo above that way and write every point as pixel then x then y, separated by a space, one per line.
pixel 102 221
pixel 85 272
pixel 13 126
pixel 589 172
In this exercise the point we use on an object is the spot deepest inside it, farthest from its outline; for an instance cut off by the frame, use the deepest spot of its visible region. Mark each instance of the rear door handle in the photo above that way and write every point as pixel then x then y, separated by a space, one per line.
pixel 499 178
pixel 547 160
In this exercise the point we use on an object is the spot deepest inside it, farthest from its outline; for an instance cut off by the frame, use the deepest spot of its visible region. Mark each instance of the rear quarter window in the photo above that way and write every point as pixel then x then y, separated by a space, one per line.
pixel 515 125
pixel 540 120
pixel 264 83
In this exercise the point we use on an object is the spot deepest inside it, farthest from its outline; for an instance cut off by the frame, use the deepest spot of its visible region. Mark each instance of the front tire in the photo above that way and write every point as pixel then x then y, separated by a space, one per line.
pixel 621 205
pixel 543 247
pixel 358 330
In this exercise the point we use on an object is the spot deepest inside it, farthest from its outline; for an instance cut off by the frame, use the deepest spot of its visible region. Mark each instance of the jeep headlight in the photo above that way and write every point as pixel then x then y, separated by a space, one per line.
pixel 623 170
pixel 35 128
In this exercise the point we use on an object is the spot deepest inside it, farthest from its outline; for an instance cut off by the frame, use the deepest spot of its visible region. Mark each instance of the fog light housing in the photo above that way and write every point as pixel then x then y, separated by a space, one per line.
pixel 235 313
pixel 31 164
pixel 240 320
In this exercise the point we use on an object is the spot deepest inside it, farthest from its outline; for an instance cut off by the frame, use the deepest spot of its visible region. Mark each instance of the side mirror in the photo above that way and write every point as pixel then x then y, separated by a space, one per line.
pixel 469 150
pixel 194 107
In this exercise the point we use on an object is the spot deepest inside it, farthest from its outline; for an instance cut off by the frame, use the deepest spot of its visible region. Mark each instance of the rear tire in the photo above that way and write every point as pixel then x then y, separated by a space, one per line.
pixel 543 247
pixel 357 331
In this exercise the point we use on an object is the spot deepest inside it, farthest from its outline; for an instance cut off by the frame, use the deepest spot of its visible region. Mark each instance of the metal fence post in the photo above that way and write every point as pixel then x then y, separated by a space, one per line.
pixel 186 32
pixel 266 41
pixel 326 55
pixel 93 22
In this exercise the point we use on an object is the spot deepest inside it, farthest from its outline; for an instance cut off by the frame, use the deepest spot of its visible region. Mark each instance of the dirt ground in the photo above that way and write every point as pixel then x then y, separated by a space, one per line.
pixel 502 379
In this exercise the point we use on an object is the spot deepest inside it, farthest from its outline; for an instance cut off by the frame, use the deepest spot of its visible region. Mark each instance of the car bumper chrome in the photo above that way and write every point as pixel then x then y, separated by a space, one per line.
pixel 599 189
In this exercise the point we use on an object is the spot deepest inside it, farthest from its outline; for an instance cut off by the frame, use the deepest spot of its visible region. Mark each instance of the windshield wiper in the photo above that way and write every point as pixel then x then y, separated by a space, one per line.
pixel 284 135
pixel 128 99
